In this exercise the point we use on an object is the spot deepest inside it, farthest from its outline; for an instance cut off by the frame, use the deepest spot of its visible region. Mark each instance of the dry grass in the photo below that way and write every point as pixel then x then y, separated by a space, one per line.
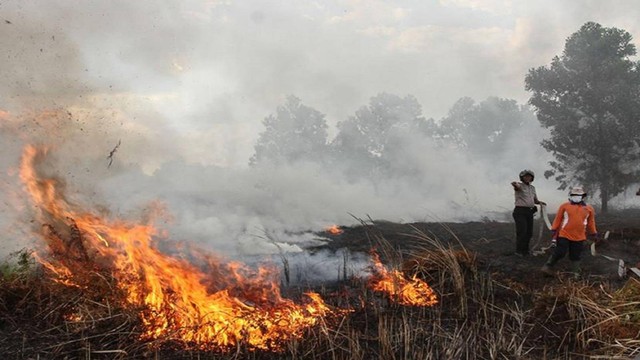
pixel 478 317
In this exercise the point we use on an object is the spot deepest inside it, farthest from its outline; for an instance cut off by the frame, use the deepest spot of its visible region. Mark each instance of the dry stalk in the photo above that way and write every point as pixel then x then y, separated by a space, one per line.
pixel 430 253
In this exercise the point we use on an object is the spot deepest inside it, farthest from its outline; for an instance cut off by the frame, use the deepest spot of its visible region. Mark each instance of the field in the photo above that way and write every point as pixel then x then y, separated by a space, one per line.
pixel 491 304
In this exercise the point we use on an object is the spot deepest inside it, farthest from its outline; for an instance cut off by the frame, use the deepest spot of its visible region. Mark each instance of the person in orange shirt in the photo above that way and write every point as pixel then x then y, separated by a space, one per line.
pixel 574 220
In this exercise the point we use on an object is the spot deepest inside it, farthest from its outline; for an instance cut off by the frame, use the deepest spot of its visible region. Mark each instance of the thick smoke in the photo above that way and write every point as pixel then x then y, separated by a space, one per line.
pixel 183 88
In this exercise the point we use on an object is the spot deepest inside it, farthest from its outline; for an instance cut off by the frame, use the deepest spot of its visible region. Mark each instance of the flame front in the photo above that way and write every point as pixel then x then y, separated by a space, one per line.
pixel 410 292
pixel 213 305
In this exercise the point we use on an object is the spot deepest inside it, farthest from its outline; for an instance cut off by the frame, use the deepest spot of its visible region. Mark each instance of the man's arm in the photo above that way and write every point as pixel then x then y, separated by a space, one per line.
pixel 536 201
pixel 516 186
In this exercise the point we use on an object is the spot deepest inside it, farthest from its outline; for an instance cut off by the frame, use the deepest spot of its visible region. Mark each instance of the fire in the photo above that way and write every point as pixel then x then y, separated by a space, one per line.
pixel 334 230
pixel 410 292
pixel 211 305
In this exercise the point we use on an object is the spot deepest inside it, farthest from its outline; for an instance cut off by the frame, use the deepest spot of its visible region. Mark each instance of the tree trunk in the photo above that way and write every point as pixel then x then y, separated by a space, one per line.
pixel 604 198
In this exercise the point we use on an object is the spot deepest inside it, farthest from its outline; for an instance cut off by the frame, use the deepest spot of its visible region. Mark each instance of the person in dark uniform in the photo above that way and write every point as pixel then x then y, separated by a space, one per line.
pixel 526 200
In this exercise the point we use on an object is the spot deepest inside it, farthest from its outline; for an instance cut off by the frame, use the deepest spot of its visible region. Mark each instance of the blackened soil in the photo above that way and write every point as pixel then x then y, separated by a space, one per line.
pixel 493 244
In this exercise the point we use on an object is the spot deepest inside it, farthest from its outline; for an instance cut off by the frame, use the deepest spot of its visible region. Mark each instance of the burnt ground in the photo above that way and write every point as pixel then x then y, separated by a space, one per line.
pixel 493 244
pixel 32 311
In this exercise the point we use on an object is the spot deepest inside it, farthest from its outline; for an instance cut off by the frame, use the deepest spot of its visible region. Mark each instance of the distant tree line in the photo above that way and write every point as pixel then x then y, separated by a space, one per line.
pixel 374 142
pixel 588 99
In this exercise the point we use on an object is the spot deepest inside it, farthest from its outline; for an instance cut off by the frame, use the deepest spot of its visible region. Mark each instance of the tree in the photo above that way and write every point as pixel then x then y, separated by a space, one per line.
pixel 370 139
pixel 484 129
pixel 295 133
pixel 589 98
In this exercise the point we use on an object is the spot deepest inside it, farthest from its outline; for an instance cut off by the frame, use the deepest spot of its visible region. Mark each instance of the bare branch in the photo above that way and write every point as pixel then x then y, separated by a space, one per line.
pixel 113 152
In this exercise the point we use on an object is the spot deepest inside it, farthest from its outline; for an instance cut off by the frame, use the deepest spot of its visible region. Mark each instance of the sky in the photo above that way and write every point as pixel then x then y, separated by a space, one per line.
pixel 185 85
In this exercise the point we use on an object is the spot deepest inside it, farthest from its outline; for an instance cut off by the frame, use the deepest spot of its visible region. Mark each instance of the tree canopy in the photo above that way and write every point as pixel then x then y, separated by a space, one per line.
pixel 589 98
pixel 296 132
pixel 484 129
pixel 370 139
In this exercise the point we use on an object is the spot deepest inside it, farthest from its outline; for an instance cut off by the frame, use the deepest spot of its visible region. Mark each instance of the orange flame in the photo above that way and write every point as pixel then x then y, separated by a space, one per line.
pixel 410 292
pixel 214 305
pixel 334 230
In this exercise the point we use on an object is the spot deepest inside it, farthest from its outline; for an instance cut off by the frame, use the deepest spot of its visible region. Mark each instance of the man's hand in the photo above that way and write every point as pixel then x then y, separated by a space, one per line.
pixel 515 185
pixel 542 203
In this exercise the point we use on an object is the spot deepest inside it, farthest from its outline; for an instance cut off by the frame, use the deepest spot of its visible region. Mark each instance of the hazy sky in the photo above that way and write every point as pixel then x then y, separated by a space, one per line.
pixel 187 84
pixel 214 69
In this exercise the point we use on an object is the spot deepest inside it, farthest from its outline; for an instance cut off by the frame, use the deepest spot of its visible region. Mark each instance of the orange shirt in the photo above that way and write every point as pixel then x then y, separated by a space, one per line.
pixel 573 220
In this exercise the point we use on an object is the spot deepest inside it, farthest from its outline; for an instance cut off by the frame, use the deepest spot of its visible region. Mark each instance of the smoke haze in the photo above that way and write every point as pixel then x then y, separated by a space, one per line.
pixel 184 87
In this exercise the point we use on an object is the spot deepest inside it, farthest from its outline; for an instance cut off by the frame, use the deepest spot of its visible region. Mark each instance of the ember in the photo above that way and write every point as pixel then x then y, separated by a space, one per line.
pixel 334 230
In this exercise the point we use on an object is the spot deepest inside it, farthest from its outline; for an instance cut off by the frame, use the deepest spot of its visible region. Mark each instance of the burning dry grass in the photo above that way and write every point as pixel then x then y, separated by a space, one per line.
pixel 476 318
pixel 194 299
pixel 101 290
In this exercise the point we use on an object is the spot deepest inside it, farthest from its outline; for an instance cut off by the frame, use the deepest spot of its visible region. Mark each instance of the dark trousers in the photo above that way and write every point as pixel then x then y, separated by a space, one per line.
pixel 564 245
pixel 523 217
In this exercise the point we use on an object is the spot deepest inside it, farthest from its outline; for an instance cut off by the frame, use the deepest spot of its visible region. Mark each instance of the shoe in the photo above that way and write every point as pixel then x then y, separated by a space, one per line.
pixel 546 269
pixel 575 270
